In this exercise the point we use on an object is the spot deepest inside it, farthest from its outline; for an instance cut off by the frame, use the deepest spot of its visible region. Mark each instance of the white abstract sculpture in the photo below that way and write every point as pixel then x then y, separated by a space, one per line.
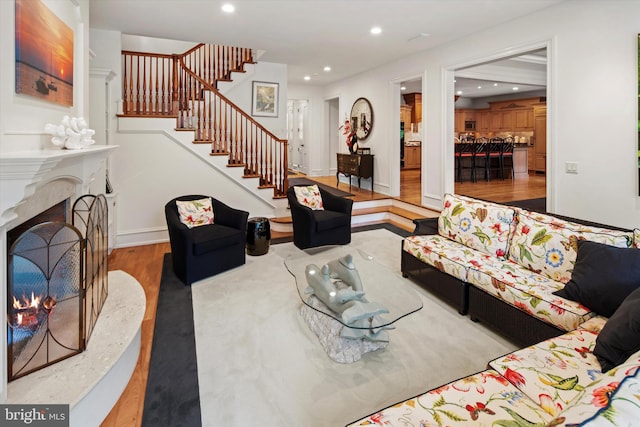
pixel 72 133
pixel 361 317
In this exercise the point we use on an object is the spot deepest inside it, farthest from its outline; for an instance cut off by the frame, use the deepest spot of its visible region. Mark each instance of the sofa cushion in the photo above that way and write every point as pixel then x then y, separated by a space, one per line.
pixel 328 220
pixel 194 213
pixel 483 399
pixel 215 236
pixel 622 409
pixel 558 368
pixel 598 394
pixel 528 291
pixel 548 245
pixel 620 336
pixel 603 276
pixel 480 225
pixel 309 196
pixel 636 238
pixel 595 324
pixel 445 255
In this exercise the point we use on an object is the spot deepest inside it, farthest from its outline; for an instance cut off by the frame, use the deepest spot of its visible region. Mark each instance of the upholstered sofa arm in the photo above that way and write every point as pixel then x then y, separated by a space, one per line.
pixel 425 226
pixel 336 203
pixel 226 215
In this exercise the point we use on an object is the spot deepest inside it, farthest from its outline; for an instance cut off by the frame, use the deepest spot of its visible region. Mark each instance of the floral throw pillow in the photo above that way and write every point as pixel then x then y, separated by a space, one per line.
pixel 549 245
pixel 636 238
pixel 309 196
pixel 194 213
pixel 477 224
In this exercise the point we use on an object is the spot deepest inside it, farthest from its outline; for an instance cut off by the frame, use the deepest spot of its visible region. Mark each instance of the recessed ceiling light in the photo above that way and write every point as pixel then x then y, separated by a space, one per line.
pixel 327 68
pixel 307 77
pixel 516 88
pixel 403 88
pixel 228 8
pixel 459 92
pixel 479 87
pixel 495 84
pixel 376 30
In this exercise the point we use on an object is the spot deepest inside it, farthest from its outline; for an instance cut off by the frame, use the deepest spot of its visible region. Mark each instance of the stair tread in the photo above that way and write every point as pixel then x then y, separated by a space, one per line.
pixel 364 211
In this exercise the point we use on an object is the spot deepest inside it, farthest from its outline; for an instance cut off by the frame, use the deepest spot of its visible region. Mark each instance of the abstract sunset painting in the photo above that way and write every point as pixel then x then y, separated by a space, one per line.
pixel 44 54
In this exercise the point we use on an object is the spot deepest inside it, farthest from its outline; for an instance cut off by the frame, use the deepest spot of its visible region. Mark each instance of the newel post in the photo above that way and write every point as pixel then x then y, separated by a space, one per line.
pixel 285 143
pixel 174 86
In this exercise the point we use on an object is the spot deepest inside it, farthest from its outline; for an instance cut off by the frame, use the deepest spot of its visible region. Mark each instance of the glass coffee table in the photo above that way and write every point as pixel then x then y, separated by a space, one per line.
pixel 349 299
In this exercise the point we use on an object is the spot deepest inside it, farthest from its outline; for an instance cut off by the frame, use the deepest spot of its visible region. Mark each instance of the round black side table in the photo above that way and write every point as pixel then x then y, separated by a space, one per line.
pixel 258 236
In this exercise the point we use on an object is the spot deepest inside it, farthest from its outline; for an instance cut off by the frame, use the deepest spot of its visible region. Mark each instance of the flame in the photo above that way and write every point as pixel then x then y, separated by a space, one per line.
pixel 34 302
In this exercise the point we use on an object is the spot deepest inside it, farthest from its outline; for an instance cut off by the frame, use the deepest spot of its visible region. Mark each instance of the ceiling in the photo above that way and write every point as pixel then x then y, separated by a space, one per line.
pixel 308 35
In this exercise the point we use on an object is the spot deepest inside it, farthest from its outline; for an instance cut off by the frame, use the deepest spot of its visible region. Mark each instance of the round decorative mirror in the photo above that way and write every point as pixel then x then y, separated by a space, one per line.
pixel 362 118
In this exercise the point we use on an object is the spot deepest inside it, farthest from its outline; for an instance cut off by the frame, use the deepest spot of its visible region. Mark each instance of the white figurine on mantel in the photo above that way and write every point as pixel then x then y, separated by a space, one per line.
pixel 72 133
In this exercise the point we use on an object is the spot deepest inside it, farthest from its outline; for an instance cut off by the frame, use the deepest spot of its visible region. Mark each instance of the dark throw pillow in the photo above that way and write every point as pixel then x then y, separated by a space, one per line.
pixel 603 276
pixel 620 336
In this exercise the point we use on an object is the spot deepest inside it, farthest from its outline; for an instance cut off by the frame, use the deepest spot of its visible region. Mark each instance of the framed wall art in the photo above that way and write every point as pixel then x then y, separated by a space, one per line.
pixel 265 99
pixel 44 54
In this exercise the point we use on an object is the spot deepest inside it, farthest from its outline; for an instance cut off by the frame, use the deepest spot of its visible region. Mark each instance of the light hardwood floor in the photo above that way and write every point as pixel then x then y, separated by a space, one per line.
pixel 145 264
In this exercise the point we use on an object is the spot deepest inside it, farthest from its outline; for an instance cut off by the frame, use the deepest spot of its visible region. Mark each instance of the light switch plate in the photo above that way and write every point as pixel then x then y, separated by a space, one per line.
pixel 571 167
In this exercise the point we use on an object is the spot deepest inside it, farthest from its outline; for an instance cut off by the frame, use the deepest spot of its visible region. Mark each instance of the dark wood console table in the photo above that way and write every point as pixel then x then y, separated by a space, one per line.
pixel 360 165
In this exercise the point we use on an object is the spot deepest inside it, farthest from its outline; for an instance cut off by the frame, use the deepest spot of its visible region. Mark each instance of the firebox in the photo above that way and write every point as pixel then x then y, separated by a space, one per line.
pixel 56 285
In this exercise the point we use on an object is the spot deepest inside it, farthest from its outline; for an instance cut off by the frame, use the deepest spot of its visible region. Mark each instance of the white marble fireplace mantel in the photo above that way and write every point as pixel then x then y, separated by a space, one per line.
pixel 22 171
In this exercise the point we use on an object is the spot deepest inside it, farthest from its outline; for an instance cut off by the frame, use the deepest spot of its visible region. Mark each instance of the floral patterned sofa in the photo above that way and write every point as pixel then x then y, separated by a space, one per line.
pixel 503 265
pixel 557 382
pixel 517 265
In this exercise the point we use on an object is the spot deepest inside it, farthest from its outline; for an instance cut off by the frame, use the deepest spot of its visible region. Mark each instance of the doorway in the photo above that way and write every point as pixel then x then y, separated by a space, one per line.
pixel 297 130
pixel 504 98
pixel 410 139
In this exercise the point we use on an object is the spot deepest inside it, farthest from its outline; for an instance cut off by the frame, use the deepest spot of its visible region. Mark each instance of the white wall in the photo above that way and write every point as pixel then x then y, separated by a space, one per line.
pixel 592 106
pixel 241 94
pixel 150 168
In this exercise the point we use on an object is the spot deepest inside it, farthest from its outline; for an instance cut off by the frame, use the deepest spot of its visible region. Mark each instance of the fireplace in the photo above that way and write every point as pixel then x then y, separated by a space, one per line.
pixel 56 283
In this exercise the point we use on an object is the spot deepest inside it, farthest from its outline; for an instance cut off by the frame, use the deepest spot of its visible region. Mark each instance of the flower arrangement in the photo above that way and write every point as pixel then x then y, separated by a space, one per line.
pixel 350 133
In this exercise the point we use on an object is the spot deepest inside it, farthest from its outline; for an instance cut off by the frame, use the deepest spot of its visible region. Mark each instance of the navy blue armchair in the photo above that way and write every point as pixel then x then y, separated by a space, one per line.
pixel 312 228
pixel 206 250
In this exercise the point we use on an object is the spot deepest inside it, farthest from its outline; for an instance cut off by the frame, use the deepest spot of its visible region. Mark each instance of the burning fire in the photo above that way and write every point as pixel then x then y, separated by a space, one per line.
pixel 26 309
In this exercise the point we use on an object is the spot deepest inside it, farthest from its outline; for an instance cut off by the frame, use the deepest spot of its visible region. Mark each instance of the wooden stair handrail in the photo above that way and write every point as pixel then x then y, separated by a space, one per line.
pixel 247 145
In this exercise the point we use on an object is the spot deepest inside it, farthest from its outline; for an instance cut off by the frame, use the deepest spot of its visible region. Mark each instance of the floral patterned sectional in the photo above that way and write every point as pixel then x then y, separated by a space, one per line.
pixel 586 369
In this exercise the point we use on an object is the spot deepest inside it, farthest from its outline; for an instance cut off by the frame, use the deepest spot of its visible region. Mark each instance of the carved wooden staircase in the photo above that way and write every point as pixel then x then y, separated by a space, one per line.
pixel 185 87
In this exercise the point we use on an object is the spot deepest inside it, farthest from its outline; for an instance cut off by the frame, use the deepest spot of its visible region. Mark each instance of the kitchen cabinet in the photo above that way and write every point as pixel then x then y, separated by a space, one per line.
pixel 461 116
pixel 523 119
pixel 540 139
pixel 482 121
pixel 412 156
pixel 520 161
pixel 530 156
pixel 495 121
pixel 414 100
pixel 405 116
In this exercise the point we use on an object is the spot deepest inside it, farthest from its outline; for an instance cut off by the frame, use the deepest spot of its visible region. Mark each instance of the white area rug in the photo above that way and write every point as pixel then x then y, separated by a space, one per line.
pixel 259 364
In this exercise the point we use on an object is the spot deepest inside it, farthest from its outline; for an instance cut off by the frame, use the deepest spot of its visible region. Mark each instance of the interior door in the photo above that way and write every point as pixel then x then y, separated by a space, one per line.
pixel 297 125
